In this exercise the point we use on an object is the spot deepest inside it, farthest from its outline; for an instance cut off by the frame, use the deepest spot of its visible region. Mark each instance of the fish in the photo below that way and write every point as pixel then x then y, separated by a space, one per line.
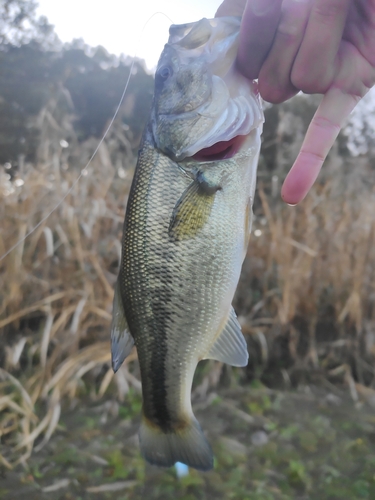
pixel 186 232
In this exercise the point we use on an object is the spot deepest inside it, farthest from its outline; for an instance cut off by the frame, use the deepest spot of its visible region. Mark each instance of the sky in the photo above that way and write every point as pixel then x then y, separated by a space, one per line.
pixel 117 24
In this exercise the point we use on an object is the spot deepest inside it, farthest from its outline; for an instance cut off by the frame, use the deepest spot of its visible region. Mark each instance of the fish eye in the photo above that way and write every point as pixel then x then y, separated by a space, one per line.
pixel 164 73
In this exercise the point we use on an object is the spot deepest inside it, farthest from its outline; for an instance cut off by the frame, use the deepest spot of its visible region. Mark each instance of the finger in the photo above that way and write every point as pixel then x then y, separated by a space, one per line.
pixel 258 28
pixel 321 134
pixel 274 78
pixel 231 8
pixel 316 61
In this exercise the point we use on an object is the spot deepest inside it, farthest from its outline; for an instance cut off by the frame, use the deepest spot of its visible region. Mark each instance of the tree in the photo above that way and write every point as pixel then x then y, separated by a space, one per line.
pixel 19 24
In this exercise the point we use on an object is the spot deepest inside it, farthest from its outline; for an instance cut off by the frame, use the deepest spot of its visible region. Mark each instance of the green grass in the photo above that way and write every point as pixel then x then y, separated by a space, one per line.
pixel 314 452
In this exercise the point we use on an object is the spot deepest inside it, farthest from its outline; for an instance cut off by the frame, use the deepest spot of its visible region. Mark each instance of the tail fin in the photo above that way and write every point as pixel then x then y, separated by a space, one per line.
pixel 187 445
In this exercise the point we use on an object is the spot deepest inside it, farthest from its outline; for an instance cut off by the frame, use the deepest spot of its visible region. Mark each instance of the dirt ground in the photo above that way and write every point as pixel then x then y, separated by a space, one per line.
pixel 313 443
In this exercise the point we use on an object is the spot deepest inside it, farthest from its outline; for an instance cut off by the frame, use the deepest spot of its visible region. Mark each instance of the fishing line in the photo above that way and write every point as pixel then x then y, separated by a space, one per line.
pixel 85 169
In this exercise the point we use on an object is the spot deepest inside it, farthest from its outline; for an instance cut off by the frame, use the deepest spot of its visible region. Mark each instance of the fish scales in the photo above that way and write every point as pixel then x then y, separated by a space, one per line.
pixel 171 284
pixel 185 236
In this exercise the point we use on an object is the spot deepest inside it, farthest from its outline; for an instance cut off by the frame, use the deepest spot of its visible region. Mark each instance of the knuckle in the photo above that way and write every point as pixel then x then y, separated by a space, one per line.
pixel 323 122
pixel 309 83
pixel 313 154
pixel 275 94
pixel 328 10
pixel 289 38
pixel 289 30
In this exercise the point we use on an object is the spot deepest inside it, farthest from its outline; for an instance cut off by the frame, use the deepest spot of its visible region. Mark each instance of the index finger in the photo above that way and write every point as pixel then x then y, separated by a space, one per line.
pixel 323 130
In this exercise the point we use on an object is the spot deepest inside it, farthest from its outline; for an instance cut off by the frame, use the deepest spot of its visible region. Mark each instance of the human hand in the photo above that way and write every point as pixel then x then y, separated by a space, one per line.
pixel 317 46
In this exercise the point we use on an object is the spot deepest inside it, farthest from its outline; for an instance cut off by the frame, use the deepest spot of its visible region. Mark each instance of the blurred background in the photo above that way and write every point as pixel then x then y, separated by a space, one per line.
pixel 299 421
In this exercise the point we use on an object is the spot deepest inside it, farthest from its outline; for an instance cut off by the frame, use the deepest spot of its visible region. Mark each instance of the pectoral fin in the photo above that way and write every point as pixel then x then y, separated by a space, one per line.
pixel 121 340
pixel 193 208
pixel 230 347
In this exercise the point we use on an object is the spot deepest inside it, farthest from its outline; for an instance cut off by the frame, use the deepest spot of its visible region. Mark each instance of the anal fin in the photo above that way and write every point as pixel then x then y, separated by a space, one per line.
pixel 121 339
pixel 230 346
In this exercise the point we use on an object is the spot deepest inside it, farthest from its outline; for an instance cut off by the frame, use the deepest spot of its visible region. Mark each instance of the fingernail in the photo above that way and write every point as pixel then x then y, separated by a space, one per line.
pixel 262 7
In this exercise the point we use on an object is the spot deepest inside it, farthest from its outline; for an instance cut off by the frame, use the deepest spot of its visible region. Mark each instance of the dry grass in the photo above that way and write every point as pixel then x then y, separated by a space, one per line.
pixel 314 265
pixel 56 292
pixel 308 265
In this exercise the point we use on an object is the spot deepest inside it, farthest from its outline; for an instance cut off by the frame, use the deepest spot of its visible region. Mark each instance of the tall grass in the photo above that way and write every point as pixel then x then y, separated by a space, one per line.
pixel 308 278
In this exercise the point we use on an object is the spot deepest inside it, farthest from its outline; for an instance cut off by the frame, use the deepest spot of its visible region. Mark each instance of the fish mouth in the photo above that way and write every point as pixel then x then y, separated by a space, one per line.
pixel 221 150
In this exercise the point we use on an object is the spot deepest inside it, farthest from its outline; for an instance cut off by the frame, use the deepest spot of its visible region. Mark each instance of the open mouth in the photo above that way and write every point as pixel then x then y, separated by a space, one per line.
pixel 221 150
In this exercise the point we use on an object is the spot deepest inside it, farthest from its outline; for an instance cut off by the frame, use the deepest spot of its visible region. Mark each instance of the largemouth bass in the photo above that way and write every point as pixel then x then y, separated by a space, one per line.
pixel 186 231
